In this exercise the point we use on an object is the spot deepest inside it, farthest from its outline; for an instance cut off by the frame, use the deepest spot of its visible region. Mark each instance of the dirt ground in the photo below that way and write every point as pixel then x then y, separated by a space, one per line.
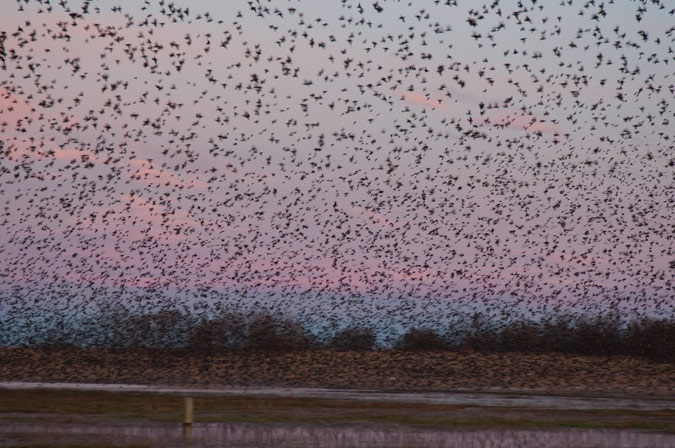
pixel 382 370
pixel 92 407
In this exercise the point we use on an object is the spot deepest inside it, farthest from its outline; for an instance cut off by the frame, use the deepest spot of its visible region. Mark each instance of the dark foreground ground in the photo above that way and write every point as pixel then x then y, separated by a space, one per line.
pixel 56 418
pixel 96 407
pixel 380 370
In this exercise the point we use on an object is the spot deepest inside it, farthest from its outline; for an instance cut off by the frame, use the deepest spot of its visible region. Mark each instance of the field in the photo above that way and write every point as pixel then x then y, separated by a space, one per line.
pixel 57 417
pixel 93 407
pixel 393 370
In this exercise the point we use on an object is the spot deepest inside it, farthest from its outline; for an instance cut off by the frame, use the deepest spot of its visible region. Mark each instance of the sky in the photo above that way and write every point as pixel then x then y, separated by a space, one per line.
pixel 420 160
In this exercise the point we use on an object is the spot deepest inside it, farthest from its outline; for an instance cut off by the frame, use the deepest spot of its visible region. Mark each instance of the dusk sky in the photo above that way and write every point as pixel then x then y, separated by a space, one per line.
pixel 415 158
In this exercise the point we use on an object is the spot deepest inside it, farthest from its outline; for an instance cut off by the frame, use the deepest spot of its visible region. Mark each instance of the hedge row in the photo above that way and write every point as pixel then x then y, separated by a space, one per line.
pixel 651 338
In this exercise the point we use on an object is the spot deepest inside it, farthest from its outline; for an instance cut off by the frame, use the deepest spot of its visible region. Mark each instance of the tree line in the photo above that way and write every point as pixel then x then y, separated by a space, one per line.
pixel 262 331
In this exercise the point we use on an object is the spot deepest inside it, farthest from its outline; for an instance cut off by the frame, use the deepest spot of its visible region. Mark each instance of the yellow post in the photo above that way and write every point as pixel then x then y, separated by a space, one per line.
pixel 189 411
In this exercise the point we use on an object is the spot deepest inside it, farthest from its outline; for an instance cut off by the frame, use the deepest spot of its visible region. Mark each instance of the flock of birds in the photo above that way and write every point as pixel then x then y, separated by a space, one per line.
pixel 343 161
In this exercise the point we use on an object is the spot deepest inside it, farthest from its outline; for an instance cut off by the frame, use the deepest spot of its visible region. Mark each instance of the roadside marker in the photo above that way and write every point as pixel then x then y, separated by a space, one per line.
pixel 189 411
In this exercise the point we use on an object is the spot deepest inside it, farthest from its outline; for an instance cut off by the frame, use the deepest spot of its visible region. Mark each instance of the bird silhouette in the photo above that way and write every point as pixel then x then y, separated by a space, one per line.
pixel 370 164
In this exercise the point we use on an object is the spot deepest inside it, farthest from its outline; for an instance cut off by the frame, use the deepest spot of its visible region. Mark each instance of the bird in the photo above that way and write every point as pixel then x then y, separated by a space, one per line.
pixel 360 169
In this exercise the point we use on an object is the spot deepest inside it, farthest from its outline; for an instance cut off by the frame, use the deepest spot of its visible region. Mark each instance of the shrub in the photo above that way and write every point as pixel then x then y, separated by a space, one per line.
pixel 353 338
pixel 654 339
pixel 225 332
pixel 520 337
pixel 421 339
pixel 269 333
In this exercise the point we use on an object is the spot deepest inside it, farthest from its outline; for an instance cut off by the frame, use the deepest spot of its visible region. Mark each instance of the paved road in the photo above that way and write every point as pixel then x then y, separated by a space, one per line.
pixel 243 435
pixel 508 399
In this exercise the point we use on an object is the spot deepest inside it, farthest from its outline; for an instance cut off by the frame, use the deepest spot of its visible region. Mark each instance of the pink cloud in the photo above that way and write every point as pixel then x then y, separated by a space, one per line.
pixel 517 120
pixel 78 154
pixel 21 151
pixel 418 98
pixel 143 170
pixel 374 217
pixel 13 106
